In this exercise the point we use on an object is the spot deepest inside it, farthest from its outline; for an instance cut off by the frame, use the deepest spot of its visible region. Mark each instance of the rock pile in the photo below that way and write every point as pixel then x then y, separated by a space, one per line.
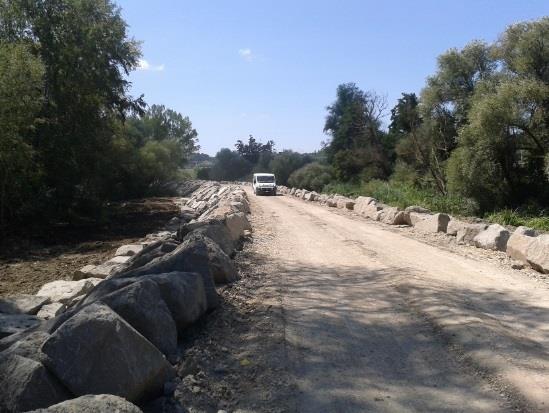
pixel 524 244
pixel 108 338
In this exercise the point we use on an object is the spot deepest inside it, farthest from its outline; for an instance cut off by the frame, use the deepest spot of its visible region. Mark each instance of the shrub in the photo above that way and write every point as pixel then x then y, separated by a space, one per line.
pixel 313 177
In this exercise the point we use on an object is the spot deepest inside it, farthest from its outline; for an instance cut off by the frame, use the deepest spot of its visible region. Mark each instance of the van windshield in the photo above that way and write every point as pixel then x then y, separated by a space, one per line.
pixel 266 179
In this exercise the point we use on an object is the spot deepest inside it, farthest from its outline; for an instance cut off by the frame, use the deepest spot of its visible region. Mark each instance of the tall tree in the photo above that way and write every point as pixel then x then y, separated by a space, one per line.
pixel 354 124
pixel 252 150
pixel 86 53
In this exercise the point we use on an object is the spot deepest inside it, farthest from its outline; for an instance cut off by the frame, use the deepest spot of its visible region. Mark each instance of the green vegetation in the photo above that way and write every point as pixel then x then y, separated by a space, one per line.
pixel 312 176
pixel 71 137
pixel 476 140
pixel 404 195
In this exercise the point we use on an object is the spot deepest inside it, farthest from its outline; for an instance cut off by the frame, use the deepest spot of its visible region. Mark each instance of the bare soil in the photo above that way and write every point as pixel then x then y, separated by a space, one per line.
pixel 37 255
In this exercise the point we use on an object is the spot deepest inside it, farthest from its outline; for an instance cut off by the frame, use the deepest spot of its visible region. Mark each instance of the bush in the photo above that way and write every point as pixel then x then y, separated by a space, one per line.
pixel 203 173
pixel 313 177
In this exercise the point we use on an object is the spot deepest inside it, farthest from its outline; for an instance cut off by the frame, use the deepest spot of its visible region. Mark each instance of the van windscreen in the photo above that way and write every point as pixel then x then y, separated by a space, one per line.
pixel 265 179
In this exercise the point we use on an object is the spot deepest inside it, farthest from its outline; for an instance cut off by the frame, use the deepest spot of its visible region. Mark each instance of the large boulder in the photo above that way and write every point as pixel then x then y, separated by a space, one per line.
pixel 28 345
pixel 362 202
pixel 192 255
pixel 16 323
pixel 93 403
pixel 184 294
pixel 454 226
pixel 215 230
pixel 494 237
pixel 50 311
pixel 22 304
pixel 468 232
pixel 220 265
pixel 519 242
pixel 370 210
pixel 96 351
pixel 25 385
pixel 538 254
pixel 345 203
pixel 394 216
pixel 331 202
pixel 141 305
pixel 431 223
pixel 61 291
pixel 237 223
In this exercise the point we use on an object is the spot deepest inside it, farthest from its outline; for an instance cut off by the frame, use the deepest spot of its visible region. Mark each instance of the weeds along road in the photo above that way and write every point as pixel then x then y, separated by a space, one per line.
pixel 378 321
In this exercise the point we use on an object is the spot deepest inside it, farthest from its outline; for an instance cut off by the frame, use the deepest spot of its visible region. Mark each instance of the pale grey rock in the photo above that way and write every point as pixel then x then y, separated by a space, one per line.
pixel 129 249
pixel 65 291
pixel 50 311
pixel 494 237
pixel 22 304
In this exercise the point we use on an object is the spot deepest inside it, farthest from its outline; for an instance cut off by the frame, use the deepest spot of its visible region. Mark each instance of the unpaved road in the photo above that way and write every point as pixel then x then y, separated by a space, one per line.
pixel 375 320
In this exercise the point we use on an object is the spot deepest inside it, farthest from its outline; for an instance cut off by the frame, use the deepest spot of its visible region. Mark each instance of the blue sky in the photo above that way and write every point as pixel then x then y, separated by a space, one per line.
pixel 270 68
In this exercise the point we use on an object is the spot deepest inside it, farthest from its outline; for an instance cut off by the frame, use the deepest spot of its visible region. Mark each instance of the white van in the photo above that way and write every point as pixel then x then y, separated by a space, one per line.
pixel 264 184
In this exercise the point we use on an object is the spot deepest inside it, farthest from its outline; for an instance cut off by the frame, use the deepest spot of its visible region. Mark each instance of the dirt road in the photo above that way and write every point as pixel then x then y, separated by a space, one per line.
pixel 378 321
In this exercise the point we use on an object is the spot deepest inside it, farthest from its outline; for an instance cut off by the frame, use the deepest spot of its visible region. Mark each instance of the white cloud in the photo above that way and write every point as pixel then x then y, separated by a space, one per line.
pixel 246 54
pixel 144 65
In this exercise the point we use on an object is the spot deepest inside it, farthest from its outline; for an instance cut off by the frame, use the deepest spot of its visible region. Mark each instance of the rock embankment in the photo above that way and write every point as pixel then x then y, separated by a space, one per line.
pixel 523 244
pixel 109 337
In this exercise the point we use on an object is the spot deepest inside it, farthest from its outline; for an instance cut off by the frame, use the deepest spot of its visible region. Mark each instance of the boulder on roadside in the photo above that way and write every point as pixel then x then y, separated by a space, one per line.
pixel 25 385
pixel 61 291
pixel 494 237
pixel 362 202
pixel 22 304
pixel 195 256
pixel 467 233
pixel 141 305
pixel 184 294
pixel 331 202
pixel 220 265
pixel 538 254
pixel 93 403
pixel 454 226
pixel 431 223
pixel 102 271
pixel 16 323
pixel 237 223
pixel 394 216
pixel 370 210
pixel 129 250
pixel 215 230
pixel 28 345
pixel 519 242
pixel 96 351
pixel 345 203
pixel 50 311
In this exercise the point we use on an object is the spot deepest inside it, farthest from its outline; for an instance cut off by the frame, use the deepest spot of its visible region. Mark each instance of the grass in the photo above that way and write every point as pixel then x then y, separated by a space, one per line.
pixel 404 195
pixel 517 219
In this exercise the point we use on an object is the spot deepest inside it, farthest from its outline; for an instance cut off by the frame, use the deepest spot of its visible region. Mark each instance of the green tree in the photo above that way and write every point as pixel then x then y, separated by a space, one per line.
pixel 354 124
pixel 312 176
pixel 21 88
pixel 253 150
pixel 501 158
pixel 286 162
pixel 86 54
pixel 229 166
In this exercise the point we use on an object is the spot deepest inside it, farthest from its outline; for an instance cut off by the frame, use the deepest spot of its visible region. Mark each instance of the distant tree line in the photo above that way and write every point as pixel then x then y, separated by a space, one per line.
pixel 290 168
pixel 479 129
pixel 71 136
